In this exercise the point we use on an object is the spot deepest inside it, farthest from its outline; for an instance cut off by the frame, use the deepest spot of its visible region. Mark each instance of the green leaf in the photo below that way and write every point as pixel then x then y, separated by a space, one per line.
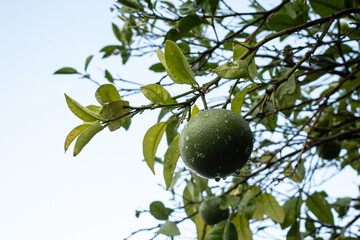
pixel 131 4
pixel 280 22
pixel 267 156
pixel 228 201
pixel 177 64
pixel 157 67
pixel 247 205
pixel 195 110
pixel 294 232
pixel 191 195
pixel 201 228
pixel 224 230
pixel 87 62
pixel 242 226
pixel 288 87
pixel 73 134
pixel 161 57
pixel 117 32
pixel 213 5
pixel 66 70
pixel 238 101
pixel 151 142
pixel 162 114
pixel 107 93
pixel 159 211
pixel 327 7
pixel 169 229
pixel 114 113
pixel 86 136
pixel 183 27
pixel 320 208
pixel 292 211
pixel 239 48
pixel 157 94
pixel 108 76
pixel 235 70
pixel 81 112
pixel 342 206
pixel 126 124
pixel 171 157
pixel 171 130
pixel 260 208
pixel 272 208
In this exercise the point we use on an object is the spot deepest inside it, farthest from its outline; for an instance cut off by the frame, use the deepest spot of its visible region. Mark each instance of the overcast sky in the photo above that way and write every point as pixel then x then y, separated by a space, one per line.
pixel 45 193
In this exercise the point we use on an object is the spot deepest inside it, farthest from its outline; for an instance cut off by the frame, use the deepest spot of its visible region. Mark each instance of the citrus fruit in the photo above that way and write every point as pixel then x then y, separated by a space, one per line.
pixel 210 211
pixel 329 150
pixel 216 143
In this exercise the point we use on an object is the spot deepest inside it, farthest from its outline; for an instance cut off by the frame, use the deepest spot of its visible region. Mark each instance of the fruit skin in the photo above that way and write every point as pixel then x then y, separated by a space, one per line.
pixel 210 211
pixel 216 143
pixel 329 150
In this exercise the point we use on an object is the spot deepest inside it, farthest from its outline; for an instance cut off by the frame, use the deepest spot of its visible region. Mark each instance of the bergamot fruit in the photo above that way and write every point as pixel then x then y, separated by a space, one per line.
pixel 210 211
pixel 216 143
pixel 329 150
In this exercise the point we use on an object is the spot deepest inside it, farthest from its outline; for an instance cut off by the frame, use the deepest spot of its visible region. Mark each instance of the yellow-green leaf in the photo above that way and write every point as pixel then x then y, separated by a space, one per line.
pixel 170 159
pixel 200 225
pixel 115 112
pixel 81 112
pixel 151 142
pixel 161 57
pixel 86 136
pixel 177 64
pixel 238 101
pixel 272 208
pixel 235 70
pixel 320 208
pixel 66 70
pixel 157 94
pixel 242 227
pixel 239 49
pixel 74 133
pixel 195 110
pixel 107 93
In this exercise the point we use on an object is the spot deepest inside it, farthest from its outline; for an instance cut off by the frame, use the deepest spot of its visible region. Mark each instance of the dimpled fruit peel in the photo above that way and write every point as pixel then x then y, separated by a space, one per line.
pixel 216 143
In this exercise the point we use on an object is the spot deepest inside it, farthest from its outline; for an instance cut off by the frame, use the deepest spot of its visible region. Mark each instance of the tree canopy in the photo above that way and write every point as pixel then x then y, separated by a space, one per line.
pixel 290 68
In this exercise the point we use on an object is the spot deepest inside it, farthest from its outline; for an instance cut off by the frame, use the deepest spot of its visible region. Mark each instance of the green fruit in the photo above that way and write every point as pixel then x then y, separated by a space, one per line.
pixel 329 150
pixel 210 211
pixel 216 143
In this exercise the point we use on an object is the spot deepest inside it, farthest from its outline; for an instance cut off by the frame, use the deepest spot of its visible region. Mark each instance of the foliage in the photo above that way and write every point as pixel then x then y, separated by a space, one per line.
pixel 291 70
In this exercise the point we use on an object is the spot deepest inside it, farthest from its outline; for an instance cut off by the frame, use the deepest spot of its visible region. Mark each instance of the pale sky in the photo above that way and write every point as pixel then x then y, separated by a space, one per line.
pixel 45 193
